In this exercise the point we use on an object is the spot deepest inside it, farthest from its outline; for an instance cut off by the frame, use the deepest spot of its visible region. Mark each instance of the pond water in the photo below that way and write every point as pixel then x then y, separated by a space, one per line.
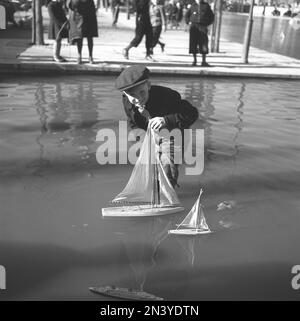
pixel 54 242
pixel 274 34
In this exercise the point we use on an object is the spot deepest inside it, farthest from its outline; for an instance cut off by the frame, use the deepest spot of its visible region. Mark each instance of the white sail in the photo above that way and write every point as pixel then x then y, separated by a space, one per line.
pixel 195 222
pixel 148 178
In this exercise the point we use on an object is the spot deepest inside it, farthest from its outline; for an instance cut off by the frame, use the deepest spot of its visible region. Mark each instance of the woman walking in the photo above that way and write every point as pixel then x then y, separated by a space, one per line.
pixel 57 26
pixel 83 23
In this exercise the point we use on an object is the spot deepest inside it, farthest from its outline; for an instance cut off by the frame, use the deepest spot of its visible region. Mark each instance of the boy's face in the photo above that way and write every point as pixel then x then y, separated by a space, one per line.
pixel 139 95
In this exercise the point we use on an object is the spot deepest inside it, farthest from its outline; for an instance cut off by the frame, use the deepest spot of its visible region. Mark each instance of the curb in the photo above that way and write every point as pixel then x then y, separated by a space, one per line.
pixel 116 68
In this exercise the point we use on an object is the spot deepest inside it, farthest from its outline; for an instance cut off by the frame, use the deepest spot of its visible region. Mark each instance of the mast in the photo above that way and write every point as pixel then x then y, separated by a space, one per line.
pixel 198 221
pixel 156 184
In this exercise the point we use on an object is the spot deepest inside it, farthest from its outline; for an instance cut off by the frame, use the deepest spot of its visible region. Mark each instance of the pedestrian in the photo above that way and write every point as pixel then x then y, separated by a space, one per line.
pixel 199 16
pixel 143 27
pixel 158 106
pixel 58 27
pixel 179 14
pixel 115 9
pixel 173 13
pixel 83 23
pixel 168 9
pixel 157 17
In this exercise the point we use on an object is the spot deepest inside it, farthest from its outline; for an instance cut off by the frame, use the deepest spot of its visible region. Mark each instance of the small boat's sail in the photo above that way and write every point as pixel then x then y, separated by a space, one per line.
pixel 195 222
pixel 148 191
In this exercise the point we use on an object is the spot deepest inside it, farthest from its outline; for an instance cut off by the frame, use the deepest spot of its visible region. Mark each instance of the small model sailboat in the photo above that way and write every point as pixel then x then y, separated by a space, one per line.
pixel 194 223
pixel 148 191
pixel 125 293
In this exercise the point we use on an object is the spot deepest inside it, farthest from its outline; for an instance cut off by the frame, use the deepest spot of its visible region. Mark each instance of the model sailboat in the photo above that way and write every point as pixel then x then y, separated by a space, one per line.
pixel 194 223
pixel 148 191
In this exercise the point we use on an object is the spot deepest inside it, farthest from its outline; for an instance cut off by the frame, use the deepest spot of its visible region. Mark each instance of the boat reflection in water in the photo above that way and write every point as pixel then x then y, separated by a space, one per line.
pixel 139 244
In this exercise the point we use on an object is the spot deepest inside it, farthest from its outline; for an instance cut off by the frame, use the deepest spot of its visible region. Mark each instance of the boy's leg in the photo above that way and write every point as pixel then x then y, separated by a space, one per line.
pixel 167 159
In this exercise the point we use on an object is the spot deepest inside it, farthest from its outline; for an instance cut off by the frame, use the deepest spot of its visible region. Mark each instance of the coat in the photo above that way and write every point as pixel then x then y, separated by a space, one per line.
pixel 83 20
pixel 57 21
pixel 163 102
pixel 200 13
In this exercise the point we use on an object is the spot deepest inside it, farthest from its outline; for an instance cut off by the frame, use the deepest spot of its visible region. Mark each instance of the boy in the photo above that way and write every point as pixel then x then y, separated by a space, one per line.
pixel 199 16
pixel 159 106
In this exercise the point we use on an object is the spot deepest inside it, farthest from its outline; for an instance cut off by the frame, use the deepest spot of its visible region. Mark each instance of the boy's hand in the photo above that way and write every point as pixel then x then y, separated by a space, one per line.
pixel 157 123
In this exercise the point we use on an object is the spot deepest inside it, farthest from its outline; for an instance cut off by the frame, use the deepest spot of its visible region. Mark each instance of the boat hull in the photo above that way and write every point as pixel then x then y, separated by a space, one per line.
pixel 124 293
pixel 139 211
pixel 189 231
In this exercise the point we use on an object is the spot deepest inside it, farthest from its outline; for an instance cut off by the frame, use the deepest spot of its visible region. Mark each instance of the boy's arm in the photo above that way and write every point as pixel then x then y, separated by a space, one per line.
pixel 184 114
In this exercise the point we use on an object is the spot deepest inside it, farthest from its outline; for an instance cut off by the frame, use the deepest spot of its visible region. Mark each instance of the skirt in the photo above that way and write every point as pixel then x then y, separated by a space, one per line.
pixel 198 39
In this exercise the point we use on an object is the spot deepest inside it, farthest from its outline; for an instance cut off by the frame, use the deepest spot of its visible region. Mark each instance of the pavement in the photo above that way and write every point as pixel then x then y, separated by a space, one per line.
pixel 18 56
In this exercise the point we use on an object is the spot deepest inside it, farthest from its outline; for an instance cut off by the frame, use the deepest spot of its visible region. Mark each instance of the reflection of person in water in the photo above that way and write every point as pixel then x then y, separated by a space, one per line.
pixel 57 113
pixel 83 115
pixel 140 244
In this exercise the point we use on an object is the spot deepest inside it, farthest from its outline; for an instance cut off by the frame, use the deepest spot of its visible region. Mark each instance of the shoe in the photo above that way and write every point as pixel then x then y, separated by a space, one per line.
pixel 194 63
pixel 151 51
pixel 148 57
pixel 125 54
pixel 162 46
pixel 205 64
pixel 59 59
pixel 63 59
pixel 91 60
pixel 79 61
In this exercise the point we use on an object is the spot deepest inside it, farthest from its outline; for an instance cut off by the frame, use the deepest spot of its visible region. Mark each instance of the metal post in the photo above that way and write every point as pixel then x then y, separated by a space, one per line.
pixel 39 23
pixel 213 31
pixel 218 25
pixel 128 9
pixel 33 21
pixel 248 33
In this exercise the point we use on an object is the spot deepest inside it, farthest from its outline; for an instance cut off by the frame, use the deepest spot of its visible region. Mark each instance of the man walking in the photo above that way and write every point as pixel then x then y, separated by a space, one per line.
pixel 143 27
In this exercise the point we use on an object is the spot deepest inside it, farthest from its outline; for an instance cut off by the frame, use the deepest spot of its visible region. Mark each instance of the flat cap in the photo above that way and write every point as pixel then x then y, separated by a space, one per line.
pixel 131 77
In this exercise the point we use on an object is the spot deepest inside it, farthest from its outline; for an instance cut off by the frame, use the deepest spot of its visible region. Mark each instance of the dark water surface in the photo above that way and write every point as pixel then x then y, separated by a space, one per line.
pixel 274 34
pixel 54 242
